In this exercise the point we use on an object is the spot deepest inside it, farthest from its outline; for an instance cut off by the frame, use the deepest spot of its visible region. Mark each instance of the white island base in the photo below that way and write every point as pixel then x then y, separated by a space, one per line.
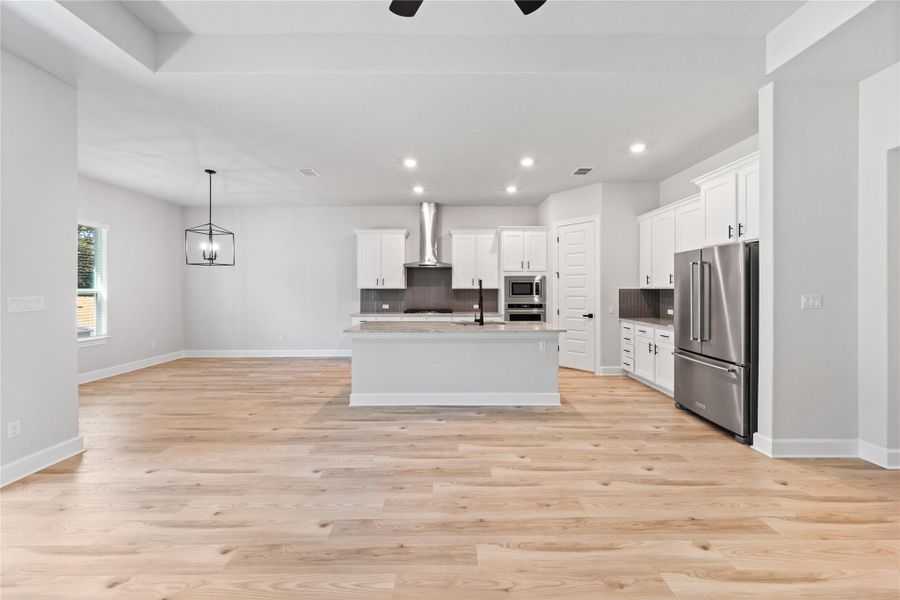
pixel 454 364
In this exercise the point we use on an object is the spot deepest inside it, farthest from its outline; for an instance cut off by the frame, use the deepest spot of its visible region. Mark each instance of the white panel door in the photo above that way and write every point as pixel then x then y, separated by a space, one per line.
pixel 665 366
pixel 536 251
pixel 748 202
pixel 393 255
pixel 488 261
pixel 646 256
pixel 465 261
pixel 576 295
pixel 644 358
pixel 512 251
pixel 663 248
pixel 689 226
pixel 720 210
pixel 368 260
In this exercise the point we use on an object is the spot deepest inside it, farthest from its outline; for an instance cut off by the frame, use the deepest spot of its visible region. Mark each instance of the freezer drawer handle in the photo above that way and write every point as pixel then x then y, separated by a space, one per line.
pixel 706 364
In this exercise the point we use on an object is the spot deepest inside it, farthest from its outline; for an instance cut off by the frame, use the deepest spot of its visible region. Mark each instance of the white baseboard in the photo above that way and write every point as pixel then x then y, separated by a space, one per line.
pixel 883 457
pixel 605 371
pixel 806 447
pixel 455 399
pixel 129 366
pixel 332 353
pixel 41 459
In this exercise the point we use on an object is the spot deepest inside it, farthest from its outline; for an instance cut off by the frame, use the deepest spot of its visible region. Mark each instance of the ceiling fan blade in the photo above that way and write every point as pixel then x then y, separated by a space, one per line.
pixel 406 8
pixel 529 6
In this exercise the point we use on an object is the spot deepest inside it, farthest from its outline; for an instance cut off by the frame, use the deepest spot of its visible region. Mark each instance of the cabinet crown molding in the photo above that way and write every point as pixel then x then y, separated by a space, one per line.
pixel 457 230
pixel 732 166
pixel 668 207
pixel 405 232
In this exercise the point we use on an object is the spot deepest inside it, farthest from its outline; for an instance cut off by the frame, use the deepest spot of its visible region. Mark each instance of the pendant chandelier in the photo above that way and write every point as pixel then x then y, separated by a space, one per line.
pixel 208 244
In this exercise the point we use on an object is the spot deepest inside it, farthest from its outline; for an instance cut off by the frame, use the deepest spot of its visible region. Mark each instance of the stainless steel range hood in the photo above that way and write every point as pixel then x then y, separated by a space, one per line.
pixel 428 238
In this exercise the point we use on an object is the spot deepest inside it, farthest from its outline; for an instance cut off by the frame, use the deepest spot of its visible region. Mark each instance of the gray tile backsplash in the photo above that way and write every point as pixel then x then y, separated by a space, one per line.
pixel 425 288
pixel 638 302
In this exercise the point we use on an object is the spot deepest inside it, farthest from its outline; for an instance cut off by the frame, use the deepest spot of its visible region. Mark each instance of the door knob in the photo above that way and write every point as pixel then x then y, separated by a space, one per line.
pixel 588 316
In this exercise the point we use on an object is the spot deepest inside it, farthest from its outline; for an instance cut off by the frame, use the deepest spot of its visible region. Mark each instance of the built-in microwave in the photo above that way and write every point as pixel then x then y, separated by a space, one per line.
pixel 524 288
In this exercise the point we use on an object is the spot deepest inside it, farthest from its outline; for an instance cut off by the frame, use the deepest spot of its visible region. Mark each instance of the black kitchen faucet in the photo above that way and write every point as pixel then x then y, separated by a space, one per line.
pixel 480 317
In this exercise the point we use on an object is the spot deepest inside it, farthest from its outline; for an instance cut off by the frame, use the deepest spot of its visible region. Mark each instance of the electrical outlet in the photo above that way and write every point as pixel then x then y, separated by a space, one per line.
pixel 542 346
pixel 475 306
pixel 810 301
pixel 670 311
pixel 280 338
pixel 13 429
pixel 385 306
pixel 153 344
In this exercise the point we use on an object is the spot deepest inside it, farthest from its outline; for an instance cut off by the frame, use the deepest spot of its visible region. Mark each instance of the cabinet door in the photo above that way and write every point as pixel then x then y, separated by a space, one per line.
pixel 368 260
pixel 663 249
pixel 689 226
pixel 393 255
pixel 665 366
pixel 512 250
pixel 465 262
pixel 720 209
pixel 487 261
pixel 536 251
pixel 646 256
pixel 644 358
pixel 748 202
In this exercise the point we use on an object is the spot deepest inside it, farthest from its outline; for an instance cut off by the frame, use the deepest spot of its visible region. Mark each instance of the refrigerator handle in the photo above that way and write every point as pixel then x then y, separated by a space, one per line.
pixel 691 300
pixel 705 364
pixel 705 301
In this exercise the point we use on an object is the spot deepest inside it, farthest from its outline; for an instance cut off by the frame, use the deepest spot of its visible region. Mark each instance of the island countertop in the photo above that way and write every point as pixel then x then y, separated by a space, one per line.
pixel 451 327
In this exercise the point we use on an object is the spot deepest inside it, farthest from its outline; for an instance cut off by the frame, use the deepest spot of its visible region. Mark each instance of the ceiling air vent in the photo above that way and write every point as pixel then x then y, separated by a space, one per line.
pixel 308 172
pixel 582 170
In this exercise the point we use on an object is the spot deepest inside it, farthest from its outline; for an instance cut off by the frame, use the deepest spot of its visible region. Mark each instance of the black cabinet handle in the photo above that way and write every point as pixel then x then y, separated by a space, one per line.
pixel 730 231
pixel 588 316
pixel 650 347
pixel 670 278
pixel 655 349
pixel 648 280
pixel 740 229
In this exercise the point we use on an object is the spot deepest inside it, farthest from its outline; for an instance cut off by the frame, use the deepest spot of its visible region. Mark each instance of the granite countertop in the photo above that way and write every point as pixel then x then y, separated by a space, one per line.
pixel 450 327
pixel 468 313
pixel 652 321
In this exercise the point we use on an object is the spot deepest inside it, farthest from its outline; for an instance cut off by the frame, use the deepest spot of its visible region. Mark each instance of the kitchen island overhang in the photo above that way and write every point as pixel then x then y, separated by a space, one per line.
pixel 454 364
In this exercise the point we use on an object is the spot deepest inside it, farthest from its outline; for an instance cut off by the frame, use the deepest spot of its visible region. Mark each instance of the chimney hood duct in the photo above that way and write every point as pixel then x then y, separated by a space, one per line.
pixel 428 238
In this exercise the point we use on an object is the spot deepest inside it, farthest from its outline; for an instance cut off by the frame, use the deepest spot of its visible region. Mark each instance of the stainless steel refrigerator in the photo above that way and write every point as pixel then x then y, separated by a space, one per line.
pixel 716 335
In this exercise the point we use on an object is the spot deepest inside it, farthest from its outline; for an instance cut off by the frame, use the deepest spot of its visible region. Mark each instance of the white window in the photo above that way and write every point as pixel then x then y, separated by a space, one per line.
pixel 91 316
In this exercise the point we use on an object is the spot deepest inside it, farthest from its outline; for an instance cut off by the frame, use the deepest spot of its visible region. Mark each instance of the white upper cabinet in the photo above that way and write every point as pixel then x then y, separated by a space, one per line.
pixel 689 224
pixel 748 202
pixel 662 242
pixel 645 270
pixel 523 250
pixel 474 257
pixel 380 254
pixel 730 198
pixel 720 209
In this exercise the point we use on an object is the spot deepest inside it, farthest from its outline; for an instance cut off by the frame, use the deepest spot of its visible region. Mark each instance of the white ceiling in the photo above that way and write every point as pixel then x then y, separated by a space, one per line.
pixel 258 89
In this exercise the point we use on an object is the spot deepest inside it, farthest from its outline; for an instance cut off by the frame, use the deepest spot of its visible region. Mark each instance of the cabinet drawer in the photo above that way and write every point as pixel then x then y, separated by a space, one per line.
pixel 627 365
pixel 643 331
pixel 665 336
pixel 627 351
pixel 627 329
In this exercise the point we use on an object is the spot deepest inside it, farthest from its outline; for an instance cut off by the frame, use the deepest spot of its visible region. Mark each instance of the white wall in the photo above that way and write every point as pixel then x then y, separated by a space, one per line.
pixel 618 206
pixel 679 185
pixel 38 354
pixel 294 284
pixel 879 376
pixel 145 253
pixel 809 215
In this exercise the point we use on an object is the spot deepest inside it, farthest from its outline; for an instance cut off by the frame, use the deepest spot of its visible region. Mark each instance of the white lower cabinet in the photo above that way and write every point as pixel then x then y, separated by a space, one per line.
pixel 647 354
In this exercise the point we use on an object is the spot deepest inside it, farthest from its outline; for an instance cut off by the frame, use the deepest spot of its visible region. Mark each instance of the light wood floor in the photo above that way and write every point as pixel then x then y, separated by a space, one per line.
pixel 249 479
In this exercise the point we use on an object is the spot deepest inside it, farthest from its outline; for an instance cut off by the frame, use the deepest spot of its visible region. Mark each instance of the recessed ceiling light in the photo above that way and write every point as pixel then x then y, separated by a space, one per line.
pixel 527 162
pixel 410 163
pixel 419 189
pixel 511 189
pixel 638 147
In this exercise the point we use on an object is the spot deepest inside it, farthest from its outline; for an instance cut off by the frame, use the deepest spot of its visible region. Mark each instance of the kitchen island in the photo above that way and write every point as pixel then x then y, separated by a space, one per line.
pixel 454 364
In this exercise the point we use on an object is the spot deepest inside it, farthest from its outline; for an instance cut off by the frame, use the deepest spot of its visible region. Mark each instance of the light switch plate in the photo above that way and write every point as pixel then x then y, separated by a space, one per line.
pixel 17 304
pixel 475 306
pixel 385 306
pixel 810 301
pixel 670 311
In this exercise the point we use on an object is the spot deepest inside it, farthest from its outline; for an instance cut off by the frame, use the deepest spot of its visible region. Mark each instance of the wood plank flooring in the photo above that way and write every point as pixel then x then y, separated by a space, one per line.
pixel 252 479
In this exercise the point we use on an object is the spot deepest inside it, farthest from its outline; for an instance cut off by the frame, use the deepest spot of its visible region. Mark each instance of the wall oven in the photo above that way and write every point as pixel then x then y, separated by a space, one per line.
pixel 524 288
pixel 524 311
